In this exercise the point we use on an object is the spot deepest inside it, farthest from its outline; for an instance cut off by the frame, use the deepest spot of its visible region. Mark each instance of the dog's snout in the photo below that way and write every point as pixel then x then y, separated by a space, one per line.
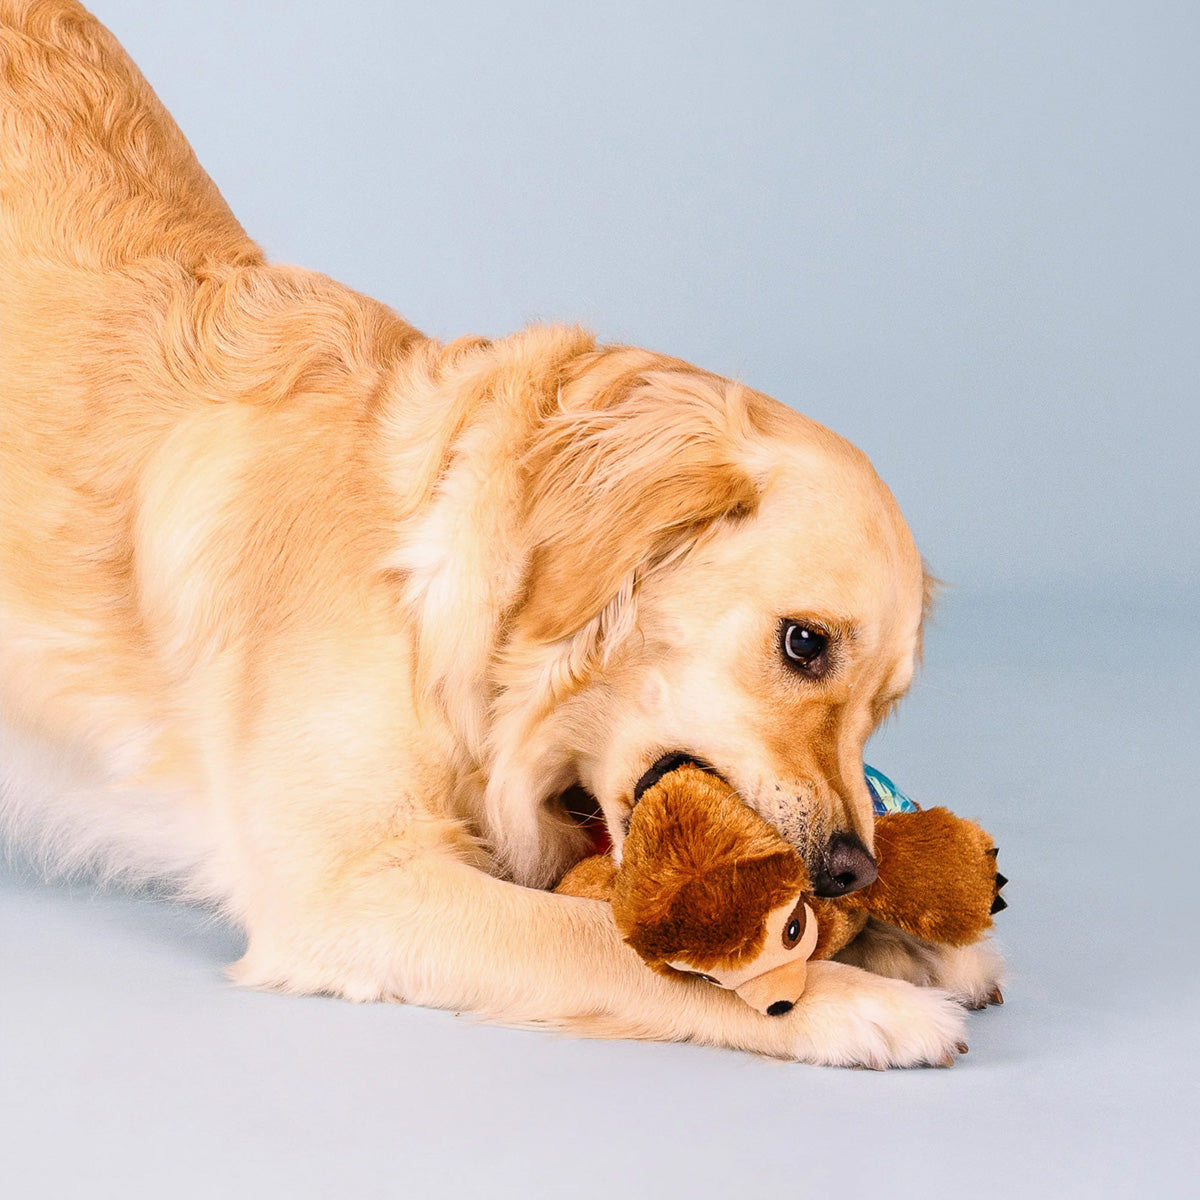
pixel 845 867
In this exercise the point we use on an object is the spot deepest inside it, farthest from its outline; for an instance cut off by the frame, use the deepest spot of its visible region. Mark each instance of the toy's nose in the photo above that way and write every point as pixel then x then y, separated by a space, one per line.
pixel 845 867
pixel 775 992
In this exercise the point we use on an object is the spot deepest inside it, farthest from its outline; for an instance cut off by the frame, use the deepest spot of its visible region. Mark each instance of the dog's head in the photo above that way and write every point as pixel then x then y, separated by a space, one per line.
pixel 710 573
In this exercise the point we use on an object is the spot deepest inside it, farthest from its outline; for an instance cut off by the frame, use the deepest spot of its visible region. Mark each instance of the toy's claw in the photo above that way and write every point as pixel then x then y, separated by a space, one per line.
pixel 999 903
pixel 994 851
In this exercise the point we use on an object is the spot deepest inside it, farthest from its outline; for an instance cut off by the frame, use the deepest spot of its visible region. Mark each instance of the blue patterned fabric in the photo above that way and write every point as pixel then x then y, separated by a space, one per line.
pixel 886 797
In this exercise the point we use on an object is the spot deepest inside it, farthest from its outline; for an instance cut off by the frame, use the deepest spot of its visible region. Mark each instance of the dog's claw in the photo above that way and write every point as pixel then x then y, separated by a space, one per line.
pixel 948 1061
pixel 963 1047
pixel 996 996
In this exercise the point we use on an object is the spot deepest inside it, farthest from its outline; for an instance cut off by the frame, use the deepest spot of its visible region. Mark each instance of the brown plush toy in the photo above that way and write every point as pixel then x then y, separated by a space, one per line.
pixel 707 887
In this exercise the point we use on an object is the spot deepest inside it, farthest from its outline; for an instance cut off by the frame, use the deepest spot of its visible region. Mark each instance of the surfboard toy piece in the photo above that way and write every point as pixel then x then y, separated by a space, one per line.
pixel 886 797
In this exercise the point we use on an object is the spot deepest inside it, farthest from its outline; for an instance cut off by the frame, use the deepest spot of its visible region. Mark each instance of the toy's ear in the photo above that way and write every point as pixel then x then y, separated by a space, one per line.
pixel 700 872
pixel 714 917
pixel 628 471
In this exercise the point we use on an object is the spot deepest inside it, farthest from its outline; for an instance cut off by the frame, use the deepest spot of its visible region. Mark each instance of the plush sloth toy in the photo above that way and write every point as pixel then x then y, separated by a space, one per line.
pixel 706 887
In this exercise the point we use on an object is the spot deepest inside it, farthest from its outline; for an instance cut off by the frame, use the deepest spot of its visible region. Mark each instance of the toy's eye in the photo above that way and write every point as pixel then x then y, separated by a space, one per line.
pixel 793 931
pixel 805 649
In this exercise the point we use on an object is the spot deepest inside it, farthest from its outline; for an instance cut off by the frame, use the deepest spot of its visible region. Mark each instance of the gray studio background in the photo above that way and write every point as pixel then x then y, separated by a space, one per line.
pixel 965 236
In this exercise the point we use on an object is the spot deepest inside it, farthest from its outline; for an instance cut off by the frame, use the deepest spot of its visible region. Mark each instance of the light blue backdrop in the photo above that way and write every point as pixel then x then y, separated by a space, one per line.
pixel 963 234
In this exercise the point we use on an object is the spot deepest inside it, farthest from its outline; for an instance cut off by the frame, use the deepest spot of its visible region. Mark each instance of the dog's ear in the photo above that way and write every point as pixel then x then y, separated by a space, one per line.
pixel 931 586
pixel 622 476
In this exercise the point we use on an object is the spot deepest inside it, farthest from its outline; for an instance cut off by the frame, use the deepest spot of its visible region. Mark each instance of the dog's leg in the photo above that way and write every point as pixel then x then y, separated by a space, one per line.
pixel 971 974
pixel 410 922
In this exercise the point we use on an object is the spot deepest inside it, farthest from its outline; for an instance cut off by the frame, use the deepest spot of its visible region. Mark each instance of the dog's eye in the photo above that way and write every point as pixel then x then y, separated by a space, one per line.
pixel 805 649
pixel 706 978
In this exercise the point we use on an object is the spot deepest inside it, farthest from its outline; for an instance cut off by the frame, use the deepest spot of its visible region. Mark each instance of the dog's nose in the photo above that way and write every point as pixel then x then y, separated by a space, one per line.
pixel 845 867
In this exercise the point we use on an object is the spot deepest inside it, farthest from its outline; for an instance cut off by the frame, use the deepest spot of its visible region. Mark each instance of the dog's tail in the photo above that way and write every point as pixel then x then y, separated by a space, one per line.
pixel 93 170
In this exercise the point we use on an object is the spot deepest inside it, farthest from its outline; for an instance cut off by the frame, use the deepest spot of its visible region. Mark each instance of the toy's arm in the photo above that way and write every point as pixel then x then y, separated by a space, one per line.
pixel 937 877
pixel 592 878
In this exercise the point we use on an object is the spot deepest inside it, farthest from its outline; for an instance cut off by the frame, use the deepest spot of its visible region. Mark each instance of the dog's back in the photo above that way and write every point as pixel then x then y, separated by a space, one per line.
pixel 105 219
pixel 95 171
pixel 132 304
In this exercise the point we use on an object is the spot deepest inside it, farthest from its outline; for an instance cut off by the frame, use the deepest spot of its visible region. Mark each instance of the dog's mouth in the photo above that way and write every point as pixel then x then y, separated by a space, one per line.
pixel 584 809
pixel 831 875
pixel 664 766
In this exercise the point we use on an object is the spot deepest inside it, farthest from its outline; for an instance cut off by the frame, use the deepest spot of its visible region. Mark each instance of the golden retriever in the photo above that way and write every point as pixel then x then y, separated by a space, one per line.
pixel 335 625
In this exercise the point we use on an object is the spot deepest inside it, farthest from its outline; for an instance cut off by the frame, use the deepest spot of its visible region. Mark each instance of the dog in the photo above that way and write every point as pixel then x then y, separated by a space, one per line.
pixel 349 632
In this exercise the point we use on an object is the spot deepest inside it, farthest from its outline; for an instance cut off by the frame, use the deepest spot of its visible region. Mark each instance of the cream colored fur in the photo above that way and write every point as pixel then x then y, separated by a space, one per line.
pixel 318 617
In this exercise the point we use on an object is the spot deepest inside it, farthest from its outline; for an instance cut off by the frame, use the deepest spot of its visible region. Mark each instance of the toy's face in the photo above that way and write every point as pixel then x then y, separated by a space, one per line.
pixel 774 981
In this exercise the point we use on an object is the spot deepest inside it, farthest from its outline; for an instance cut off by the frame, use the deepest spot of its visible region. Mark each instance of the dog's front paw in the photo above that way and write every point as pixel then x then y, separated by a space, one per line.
pixel 851 1018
